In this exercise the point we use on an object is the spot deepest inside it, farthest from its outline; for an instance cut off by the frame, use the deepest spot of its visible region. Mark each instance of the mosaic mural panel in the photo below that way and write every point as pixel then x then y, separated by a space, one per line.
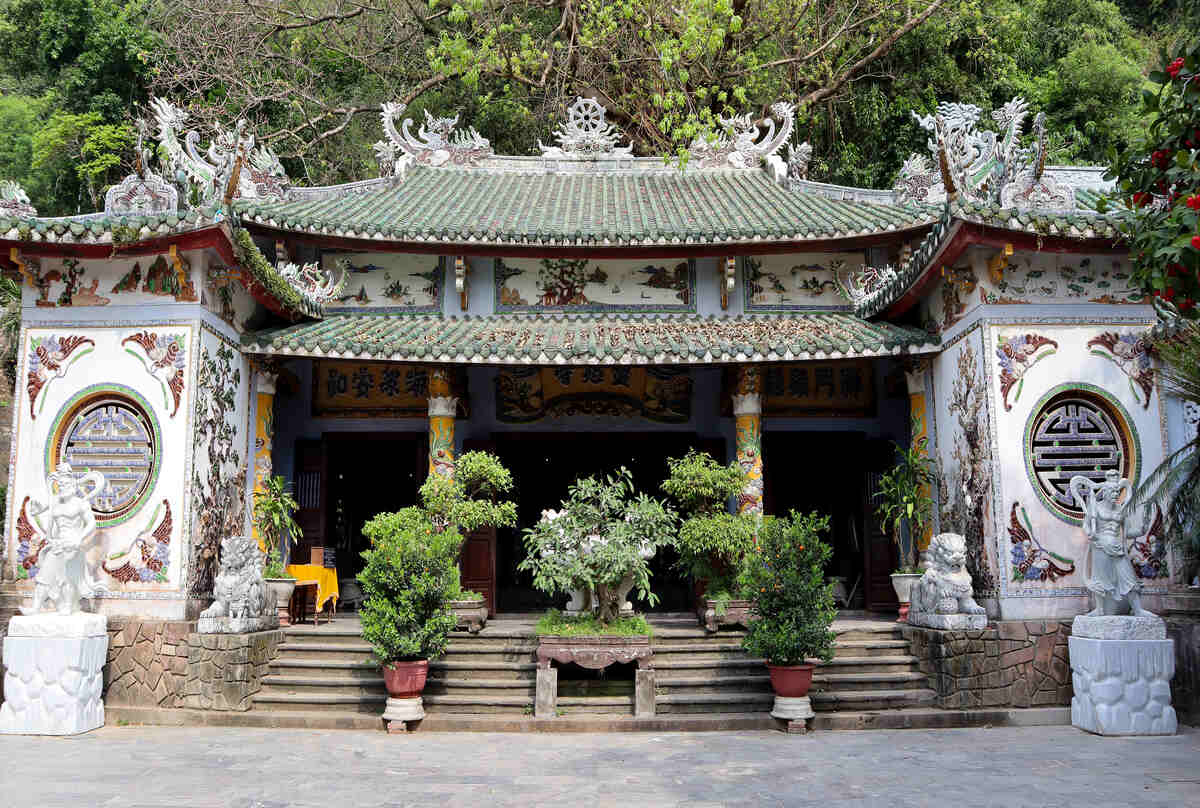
pixel 657 394
pixel 396 283
pixel 563 284
pixel 797 282
pixel 373 390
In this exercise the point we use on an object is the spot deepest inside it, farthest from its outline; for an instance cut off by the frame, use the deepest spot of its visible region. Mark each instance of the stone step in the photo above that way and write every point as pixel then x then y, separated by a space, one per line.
pixel 934 718
pixel 324 668
pixel 868 633
pixel 871 699
pixel 274 685
pixel 436 686
pixel 512 657
pixel 694 631
pixel 713 702
pixel 827 682
pixel 595 705
pixel 343 651
pixel 584 722
pixel 750 664
pixel 861 648
pixel 484 670
pixel 881 662
pixel 364 703
pixel 713 682
pixel 438 703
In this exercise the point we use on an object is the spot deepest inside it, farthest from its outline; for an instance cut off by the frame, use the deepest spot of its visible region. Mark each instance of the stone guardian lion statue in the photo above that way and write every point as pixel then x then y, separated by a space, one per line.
pixel 944 597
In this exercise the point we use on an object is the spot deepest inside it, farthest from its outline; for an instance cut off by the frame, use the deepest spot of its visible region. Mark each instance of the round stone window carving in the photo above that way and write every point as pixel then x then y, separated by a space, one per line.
pixel 1077 430
pixel 109 429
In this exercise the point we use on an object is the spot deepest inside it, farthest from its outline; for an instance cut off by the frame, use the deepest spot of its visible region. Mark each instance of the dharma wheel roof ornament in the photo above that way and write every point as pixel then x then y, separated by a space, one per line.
pixel 740 146
pixel 586 133
pixel 14 201
pixel 437 142
pixel 984 166
pixel 230 159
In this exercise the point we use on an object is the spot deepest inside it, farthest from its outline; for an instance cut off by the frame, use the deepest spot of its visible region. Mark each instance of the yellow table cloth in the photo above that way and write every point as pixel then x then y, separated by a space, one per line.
pixel 327 581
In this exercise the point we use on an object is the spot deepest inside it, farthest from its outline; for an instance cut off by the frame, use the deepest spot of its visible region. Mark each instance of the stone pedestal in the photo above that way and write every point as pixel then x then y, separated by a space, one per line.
pixel 55 674
pixel 643 693
pixel 1122 676
pixel 545 704
pixel 948 622
pixel 400 714
pixel 794 712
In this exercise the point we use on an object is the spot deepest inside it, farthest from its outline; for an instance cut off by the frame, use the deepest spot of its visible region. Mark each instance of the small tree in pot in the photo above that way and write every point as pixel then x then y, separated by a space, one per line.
pixel 793 608
pixel 409 575
pixel 905 499
pixel 274 518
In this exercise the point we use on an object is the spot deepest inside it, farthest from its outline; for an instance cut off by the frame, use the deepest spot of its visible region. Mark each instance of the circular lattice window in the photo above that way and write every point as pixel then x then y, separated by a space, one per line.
pixel 109 430
pixel 1077 431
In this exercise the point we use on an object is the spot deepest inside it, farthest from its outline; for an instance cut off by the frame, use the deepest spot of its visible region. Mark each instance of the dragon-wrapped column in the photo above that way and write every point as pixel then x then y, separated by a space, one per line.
pixel 747 413
pixel 266 372
pixel 442 408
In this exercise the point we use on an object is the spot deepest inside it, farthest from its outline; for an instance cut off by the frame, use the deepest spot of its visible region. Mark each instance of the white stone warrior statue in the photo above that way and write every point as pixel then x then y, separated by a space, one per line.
pixel 1110 574
pixel 944 597
pixel 62 577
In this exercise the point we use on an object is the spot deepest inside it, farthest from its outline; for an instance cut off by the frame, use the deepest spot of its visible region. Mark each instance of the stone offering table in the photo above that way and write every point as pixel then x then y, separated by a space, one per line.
pixel 55 674
pixel 1122 668
pixel 594 653
pixel 736 613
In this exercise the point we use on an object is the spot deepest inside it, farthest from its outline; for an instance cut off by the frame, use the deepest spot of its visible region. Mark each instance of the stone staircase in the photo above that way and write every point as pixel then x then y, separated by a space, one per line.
pixel 329 669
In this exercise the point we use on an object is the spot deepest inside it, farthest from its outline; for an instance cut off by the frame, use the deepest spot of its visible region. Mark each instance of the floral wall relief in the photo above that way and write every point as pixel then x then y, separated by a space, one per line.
pixel 49 359
pixel 164 357
pixel 965 499
pixel 1016 355
pixel 218 472
pixel 1131 354
pixel 146 558
pixel 1030 560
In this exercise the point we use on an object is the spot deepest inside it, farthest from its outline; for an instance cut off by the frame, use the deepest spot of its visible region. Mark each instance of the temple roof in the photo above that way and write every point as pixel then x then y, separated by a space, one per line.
pixel 527 206
pixel 591 339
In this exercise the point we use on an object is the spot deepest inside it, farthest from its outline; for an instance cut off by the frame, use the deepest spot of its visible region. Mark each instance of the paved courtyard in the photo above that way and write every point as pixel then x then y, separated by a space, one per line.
pixel 159 767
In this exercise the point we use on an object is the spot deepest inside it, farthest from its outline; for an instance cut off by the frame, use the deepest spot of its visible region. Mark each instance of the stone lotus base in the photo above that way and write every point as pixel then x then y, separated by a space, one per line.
pixel 796 711
pixel 236 625
pixel 398 713
pixel 1122 686
pixel 948 622
pixel 55 674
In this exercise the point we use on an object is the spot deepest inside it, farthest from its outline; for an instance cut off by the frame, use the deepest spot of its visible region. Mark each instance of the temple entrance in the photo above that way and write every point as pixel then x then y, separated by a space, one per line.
pixel 544 466
pixel 828 472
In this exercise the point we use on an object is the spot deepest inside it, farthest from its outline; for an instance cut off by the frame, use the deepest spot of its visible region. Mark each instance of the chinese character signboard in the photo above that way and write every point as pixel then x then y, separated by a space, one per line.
pixel 371 389
pixel 657 394
pixel 844 388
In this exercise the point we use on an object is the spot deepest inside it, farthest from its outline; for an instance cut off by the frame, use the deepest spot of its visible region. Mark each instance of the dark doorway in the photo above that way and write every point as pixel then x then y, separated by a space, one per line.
pixel 368 474
pixel 826 472
pixel 544 466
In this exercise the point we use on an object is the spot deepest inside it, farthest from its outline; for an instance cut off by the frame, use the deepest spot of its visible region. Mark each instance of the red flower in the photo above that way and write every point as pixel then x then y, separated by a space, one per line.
pixel 1193 202
pixel 1196 242
pixel 1141 199
pixel 1169 294
pixel 1161 158
pixel 1174 68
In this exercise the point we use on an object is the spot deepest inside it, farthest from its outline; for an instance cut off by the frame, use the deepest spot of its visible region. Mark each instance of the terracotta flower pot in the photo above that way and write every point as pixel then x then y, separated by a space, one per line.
pixel 282 589
pixel 405 680
pixel 791 681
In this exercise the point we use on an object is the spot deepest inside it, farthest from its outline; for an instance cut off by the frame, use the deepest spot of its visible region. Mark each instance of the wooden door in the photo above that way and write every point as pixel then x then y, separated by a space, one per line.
pixel 310 496
pixel 879 553
pixel 477 565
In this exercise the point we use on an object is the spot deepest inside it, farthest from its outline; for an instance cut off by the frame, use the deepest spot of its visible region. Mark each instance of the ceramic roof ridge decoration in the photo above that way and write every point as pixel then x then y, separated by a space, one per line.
pixel 232 162
pixel 983 165
pixel 143 191
pixel 14 201
pixel 438 141
pixel 316 286
pixel 586 134
pixel 741 145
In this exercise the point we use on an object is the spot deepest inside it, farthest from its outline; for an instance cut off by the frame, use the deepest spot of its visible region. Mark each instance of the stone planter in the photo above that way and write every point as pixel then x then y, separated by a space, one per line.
pixel 903 582
pixel 282 589
pixel 404 682
pixel 472 614
pixel 594 652
pixel 737 613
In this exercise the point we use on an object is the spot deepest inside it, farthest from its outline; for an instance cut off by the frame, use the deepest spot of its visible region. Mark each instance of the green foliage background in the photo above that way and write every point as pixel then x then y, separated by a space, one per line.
pixel 72 71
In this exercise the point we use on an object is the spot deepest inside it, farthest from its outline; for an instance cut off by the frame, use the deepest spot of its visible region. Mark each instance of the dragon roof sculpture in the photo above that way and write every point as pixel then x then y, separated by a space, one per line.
pixel 14 201
pixel 316 286
pixel 436 143
pixel 143 191
pixel 986 166
pixel 740 146
pixel 259 174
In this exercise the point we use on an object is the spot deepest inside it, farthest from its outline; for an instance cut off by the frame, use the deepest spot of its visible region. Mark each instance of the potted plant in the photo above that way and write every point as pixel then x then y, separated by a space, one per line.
pixel 407 580
pixel 470 499
pixel 712 541
pixel 597 547
pixel 793 606
pixel 905 508
pixel 274 519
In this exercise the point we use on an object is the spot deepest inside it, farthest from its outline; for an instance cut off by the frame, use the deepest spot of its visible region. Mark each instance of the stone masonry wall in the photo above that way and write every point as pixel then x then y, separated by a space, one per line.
pixel 147 661
pixel 225 670
pixel 1011 663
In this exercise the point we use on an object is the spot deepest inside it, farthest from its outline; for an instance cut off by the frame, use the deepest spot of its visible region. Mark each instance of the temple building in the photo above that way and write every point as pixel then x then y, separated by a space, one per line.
pixel 577 311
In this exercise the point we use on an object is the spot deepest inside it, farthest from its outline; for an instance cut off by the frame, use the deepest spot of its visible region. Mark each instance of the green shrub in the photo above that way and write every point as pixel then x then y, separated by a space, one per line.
pixel 712 541
pixel 407 581
pixel 793 605
pixel 556 623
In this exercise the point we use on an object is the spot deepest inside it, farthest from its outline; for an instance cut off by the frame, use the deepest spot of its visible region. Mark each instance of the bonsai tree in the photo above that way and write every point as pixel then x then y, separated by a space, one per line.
pixel 1175 483
pixel 599 543
pixel 409 575
pixel 1158 187
pixel 472 498
pixel 712 541
pixel 793 604
pixel 905 499
pixel 274 519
